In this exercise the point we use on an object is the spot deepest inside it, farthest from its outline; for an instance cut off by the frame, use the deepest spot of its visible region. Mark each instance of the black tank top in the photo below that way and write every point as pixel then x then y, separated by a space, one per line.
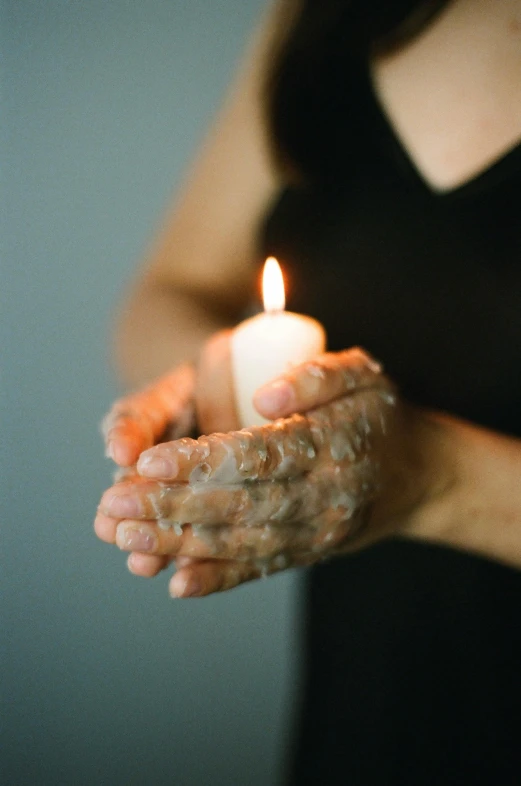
pixel 413 657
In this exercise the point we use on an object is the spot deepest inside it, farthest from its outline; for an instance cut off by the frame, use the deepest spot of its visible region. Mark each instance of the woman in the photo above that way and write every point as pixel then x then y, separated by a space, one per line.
pixel 395 128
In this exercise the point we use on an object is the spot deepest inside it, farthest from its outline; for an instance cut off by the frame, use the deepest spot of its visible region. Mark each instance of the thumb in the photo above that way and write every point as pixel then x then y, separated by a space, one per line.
pixel 215 395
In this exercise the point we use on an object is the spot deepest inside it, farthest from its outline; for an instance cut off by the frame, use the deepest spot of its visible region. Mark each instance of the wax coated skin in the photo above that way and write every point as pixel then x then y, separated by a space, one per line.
pixel 234 506
pixel 163 409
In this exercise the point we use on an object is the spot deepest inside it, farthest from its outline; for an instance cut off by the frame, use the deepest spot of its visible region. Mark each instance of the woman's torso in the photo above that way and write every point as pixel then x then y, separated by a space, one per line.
pixel 413 651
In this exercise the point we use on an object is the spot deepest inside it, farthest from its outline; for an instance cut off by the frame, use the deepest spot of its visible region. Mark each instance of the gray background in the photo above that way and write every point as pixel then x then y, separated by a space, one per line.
pixel 104 678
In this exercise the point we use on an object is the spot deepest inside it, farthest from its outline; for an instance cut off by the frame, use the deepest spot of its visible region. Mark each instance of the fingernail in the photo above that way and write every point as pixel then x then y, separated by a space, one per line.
pixel 373 365
pixel 181 587
pixel 121 453
pixel 109 450
pixel 156 467
pixel 276 396
pixel 131 538
pixel 123 506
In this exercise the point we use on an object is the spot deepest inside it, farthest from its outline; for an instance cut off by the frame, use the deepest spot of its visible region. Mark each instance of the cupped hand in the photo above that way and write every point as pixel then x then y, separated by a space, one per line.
pixel 234 506
pixel 171 407
pixel 138 421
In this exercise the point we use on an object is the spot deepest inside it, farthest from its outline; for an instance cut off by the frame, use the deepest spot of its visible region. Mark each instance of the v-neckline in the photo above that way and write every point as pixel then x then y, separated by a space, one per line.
pixel 488 177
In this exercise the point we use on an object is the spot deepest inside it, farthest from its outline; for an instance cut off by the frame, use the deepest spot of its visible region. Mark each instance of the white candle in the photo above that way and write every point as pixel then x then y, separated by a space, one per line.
pixel 268 344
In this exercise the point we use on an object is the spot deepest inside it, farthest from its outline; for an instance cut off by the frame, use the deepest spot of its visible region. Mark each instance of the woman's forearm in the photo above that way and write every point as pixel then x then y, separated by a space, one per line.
pixel 160 327
pixel 480 509
pixel 200 272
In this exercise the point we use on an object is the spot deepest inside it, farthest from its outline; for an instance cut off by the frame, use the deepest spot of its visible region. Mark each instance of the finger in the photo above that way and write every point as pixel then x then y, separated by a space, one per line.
pixel 345 442
pixel 135 422
pixel 351 427
pixel 124 474
pixel 105 527
pixel 278 450
pixel 214 395
pixel 182 562
pixel 224 542
pixel 243 504
pixel 147 565
pixel 317 382
pixel 206 577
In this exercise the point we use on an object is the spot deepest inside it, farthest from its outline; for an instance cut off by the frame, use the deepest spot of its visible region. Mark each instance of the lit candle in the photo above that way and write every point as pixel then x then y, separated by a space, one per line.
pixel 268 344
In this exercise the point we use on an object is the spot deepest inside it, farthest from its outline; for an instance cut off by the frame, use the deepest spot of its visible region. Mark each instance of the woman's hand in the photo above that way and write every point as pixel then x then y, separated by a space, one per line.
pixel 231 507
pixel 169 407
pixel 138 421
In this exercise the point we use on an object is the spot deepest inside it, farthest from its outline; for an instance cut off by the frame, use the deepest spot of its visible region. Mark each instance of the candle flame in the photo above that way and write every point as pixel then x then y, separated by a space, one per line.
pixel 273 286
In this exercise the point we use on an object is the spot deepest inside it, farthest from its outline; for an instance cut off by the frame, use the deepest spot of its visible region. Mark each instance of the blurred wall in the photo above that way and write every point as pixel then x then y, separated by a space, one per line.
pixel 105 680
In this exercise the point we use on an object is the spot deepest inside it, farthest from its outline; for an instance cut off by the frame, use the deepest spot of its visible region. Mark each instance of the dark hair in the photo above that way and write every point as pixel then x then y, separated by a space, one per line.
pixel 308 85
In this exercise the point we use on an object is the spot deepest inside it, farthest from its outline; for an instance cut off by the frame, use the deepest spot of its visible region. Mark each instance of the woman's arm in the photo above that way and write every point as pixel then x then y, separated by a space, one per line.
pixel 199 274
pixel 445 480
pixel 480 508
pixel 358 465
